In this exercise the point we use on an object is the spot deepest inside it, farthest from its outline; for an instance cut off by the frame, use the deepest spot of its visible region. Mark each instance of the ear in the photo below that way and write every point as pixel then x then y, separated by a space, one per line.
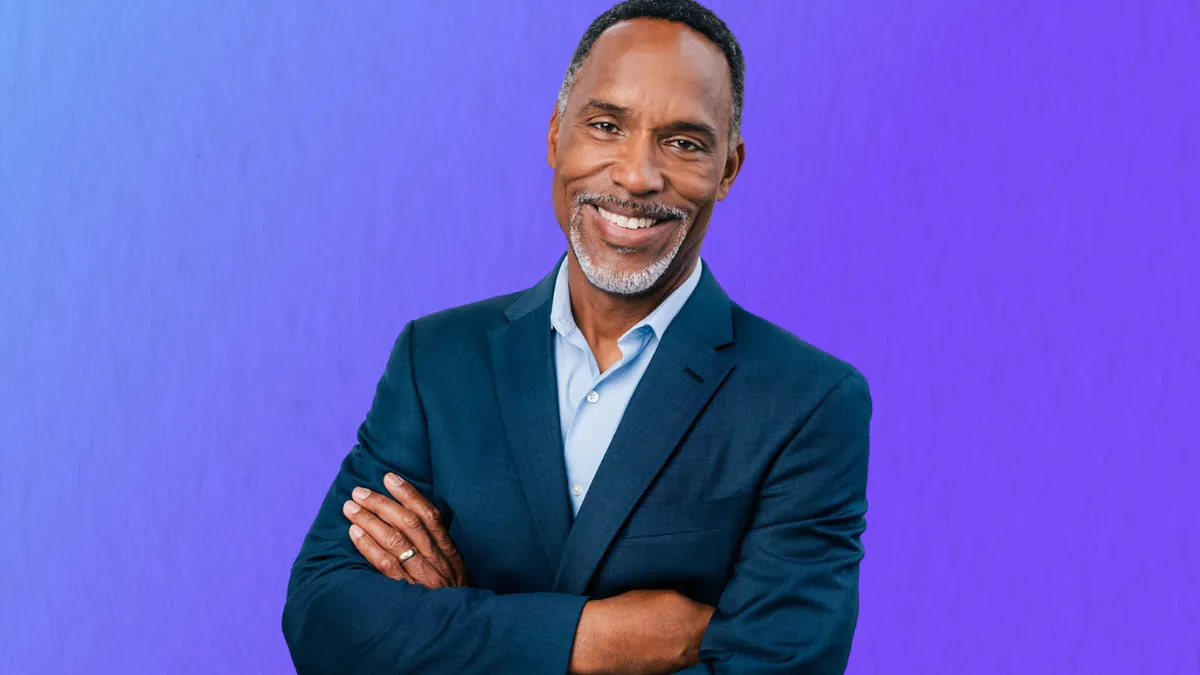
pixel 552 139
pixel 733 165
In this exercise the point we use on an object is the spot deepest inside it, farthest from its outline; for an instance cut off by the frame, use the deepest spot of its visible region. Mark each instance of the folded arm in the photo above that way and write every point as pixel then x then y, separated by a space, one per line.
pixel 343 616
pixel 792 603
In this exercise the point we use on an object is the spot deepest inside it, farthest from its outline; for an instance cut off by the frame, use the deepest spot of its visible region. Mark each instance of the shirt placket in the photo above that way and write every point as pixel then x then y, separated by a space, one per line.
pixel 585 402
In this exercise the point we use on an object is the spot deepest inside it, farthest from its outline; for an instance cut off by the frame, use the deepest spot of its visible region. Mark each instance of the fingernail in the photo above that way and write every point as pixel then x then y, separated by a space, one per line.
pixel 393 480
pixel 351 507
pixel 361 493
pixel 355 532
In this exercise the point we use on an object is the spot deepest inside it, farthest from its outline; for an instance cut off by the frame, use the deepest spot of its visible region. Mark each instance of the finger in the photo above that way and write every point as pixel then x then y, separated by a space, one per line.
pixel 407 522
pixel 411 499
pixel 451 553
pixel 380 559
pixel 396 543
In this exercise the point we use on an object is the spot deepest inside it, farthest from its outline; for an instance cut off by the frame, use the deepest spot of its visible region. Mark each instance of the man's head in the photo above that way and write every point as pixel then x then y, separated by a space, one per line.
pixel 645 139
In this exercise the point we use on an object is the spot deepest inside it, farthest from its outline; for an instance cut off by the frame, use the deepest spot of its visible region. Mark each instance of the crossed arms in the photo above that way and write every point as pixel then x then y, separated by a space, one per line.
pixel 790 607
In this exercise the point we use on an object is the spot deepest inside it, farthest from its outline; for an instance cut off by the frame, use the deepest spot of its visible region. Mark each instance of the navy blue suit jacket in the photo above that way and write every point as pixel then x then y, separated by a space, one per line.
pixel 737 476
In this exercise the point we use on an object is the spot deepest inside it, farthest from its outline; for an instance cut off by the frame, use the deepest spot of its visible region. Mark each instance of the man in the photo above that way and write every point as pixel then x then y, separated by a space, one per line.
pixel 618 470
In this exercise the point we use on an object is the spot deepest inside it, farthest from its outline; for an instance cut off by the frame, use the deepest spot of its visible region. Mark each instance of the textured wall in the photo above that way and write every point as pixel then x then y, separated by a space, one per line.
pixel 216 216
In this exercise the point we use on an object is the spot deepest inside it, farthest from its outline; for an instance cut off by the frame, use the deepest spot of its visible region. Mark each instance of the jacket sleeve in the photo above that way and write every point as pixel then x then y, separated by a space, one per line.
pixel 342 616
pixel 792 603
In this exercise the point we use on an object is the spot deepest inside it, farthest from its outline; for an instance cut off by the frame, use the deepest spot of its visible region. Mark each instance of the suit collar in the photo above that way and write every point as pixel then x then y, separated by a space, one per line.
pixel 541 294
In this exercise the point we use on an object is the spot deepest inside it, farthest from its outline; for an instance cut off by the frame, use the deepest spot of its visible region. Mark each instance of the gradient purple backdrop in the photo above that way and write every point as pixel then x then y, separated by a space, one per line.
pixel 215 218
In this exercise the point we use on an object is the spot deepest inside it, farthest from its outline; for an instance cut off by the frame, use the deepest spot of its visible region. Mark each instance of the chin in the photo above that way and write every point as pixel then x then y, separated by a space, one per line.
pixel 620 271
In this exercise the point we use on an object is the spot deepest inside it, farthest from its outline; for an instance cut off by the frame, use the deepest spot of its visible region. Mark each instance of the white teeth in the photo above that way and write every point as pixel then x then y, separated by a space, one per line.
pixel 625 222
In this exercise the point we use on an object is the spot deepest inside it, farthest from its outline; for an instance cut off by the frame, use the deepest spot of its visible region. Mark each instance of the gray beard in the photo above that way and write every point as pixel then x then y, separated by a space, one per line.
pixel 612 281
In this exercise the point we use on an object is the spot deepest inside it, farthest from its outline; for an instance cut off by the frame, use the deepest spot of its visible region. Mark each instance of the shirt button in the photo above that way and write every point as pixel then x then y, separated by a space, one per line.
pixel 577 489
pixel 593 396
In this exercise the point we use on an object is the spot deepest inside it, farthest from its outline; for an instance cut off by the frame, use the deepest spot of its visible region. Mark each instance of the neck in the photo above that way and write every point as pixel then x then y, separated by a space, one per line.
pixel 603 317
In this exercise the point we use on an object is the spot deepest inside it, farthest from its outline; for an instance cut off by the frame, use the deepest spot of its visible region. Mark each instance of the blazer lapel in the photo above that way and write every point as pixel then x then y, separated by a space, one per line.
pixel 523 369
pixel 684 374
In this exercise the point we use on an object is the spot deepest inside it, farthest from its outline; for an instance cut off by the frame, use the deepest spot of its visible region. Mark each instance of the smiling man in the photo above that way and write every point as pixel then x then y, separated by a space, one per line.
pixel 618 470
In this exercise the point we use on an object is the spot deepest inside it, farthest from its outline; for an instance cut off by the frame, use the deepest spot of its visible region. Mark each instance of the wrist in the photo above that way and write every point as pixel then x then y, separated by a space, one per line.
pixel 587 652
pixel 703 615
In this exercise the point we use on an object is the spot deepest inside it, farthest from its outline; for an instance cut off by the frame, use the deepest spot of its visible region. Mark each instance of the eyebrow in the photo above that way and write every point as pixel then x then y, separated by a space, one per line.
pixel 597 105
pixel 680 126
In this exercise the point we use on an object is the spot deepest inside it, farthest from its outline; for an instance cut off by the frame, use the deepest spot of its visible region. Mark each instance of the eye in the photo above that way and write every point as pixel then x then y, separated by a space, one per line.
pixel 606 127
pixel 685 145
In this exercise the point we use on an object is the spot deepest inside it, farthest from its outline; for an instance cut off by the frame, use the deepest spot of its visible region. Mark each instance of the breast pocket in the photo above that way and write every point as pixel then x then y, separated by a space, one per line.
pixel 687 546
pixel 665 518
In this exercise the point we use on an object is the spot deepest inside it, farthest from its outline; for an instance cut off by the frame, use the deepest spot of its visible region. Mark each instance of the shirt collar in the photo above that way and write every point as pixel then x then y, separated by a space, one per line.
pixel 563 320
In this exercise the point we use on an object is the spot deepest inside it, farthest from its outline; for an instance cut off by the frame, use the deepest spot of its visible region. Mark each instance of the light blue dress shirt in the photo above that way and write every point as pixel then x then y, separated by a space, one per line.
pixel 591 403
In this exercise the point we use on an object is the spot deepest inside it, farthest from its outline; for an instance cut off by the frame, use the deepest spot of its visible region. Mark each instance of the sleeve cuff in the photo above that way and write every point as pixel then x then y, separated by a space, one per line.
pixel 544 624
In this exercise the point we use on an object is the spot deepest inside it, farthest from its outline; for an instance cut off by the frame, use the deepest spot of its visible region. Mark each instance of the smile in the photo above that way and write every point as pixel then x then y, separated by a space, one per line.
pixel 626 222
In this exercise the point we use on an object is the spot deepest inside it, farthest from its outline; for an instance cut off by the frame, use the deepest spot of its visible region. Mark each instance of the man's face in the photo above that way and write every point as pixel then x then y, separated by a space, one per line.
pixel 641 153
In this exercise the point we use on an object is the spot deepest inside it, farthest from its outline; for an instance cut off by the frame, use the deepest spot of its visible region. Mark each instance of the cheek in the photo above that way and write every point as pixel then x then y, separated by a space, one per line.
pixel 562 198
pixel 697 184
pixel 577 157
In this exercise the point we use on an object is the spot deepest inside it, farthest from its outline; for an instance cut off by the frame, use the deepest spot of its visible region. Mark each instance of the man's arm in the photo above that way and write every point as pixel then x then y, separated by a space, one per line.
pixel 792 604
pixel 342 616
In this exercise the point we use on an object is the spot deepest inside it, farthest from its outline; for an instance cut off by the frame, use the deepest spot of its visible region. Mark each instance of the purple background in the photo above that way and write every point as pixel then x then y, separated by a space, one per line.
pixel 215 217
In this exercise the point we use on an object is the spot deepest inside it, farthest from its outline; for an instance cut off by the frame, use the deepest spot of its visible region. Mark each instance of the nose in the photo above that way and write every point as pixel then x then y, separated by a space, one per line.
pixel 637 167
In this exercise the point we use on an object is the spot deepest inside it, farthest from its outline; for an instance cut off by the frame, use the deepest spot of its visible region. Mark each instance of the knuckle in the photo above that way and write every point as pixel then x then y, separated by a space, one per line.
pixel 395 540
pixel 387 564
pixel 410 520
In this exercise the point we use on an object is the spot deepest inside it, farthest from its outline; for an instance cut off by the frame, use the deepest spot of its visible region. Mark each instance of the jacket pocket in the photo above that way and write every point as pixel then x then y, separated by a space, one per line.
pixel 656 519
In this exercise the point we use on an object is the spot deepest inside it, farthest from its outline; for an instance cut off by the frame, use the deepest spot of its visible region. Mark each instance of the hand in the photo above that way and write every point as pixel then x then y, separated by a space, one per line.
pixel 642 632
pixel 382 529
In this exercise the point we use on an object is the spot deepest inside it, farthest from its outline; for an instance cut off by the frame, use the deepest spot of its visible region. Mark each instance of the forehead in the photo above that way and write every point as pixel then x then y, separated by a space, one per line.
pixel 660 69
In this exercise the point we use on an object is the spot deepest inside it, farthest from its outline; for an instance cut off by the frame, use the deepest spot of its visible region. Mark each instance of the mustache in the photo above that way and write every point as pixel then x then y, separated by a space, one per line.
pixel 655 210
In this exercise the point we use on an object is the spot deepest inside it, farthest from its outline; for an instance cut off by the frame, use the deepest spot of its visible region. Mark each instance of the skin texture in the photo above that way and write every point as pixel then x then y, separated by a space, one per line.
pixel 640 632
pixel 645 133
